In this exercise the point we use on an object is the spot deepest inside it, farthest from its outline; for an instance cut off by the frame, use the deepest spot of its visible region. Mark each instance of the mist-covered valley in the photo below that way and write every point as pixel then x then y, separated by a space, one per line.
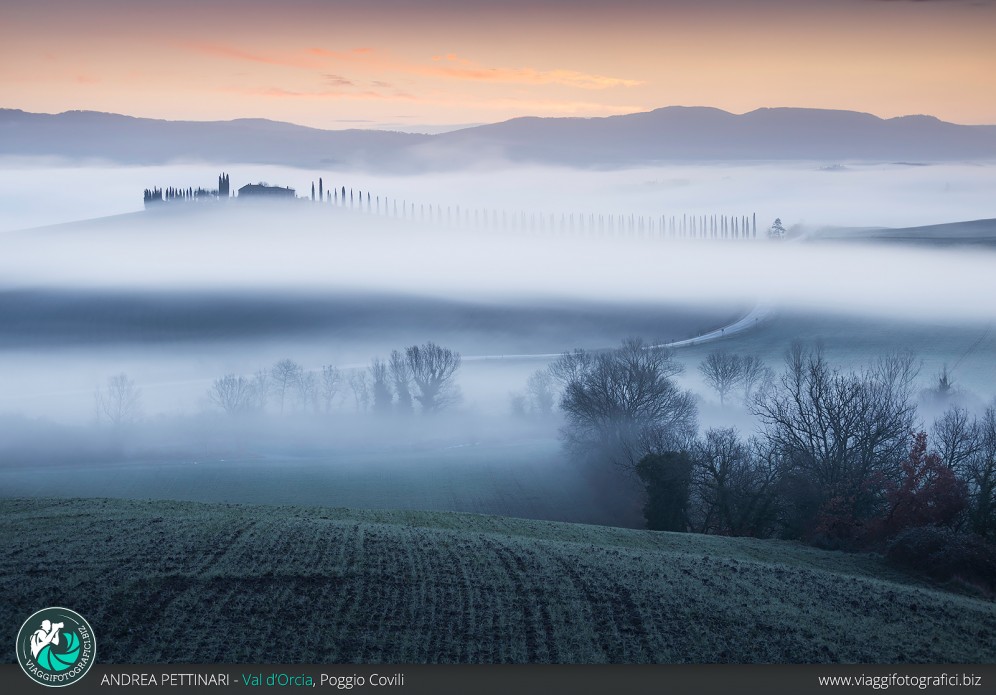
pixel 508 267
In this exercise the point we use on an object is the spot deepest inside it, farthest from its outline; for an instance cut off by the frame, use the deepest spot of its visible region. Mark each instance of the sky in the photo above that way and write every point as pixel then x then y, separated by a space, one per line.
pixel 403 65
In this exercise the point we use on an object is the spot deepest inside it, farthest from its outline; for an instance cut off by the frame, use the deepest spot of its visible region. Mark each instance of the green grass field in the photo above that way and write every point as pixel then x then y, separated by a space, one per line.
pixel 168 581
pixel 528 478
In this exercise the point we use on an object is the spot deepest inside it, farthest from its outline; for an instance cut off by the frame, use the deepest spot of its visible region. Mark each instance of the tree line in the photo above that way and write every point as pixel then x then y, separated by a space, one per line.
pixel 839 458
pixel 419 377
pixel 422 376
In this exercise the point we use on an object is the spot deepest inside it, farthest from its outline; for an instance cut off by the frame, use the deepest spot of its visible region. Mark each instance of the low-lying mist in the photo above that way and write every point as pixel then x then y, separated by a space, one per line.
pixel 36 192
pixel 176 298
pixel 302 248
pixel 60 347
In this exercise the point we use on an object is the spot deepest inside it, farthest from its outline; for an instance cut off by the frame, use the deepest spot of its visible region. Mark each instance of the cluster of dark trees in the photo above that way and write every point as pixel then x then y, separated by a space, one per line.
pixel 618 406
pixel 172 193
pixel 422 375
pixel 159 195
pixel 839 458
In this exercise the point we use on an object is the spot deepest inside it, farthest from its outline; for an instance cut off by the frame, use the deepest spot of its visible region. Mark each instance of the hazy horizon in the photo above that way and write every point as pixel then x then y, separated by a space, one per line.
pixel 438 128
pixel 440 62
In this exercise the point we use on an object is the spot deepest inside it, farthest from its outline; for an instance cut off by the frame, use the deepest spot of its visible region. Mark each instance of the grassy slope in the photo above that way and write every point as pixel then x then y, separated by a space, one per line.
pixel 969 233
pixel 187 582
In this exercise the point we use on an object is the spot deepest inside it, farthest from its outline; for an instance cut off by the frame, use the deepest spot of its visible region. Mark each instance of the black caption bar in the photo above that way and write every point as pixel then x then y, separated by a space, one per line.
pixel 517 679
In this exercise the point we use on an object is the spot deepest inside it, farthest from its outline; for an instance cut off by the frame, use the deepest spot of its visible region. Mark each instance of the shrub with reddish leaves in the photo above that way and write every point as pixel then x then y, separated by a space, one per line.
pixel 924 492
pixel 927 493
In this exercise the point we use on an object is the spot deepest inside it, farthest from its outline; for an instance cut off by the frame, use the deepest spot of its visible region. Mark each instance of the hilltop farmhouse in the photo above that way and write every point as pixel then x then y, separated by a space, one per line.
pixel 262 190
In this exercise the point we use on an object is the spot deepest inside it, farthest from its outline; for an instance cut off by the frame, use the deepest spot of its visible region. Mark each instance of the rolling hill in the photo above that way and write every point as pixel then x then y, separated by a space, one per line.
pixel 981 233
pixel 160 581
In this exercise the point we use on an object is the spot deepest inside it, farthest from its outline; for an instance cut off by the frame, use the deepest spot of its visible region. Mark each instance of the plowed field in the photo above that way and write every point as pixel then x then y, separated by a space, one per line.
pixel 186 582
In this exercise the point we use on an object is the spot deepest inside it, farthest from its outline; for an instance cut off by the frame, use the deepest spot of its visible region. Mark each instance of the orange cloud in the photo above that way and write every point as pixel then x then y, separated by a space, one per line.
pixel 556 107
pixel 338 80
pixel 222 51
pixel 453 67
pixel 281 93
pixel 468 70
pixel 340 55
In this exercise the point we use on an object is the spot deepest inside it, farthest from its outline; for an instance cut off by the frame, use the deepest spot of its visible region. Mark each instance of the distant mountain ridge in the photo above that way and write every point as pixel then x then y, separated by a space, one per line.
pixel 674 133
pixel 130 140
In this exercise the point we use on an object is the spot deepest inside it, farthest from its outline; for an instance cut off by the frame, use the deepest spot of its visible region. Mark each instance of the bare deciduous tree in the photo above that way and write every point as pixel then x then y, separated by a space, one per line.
pixel 234 394
pixel 120 403
pixel 956 437
pixel 540 387
pixel 571 366
pixel 734 485
pixel 980 472
pixel 754 374
pixel 307 391
pixel 841 429
pixel 432 369
pixel 624 404
pixel 722 371
pixel 401 378
pixel 285 375
pixel 359 384
pixel 382 396
pixel 261 384
pixel 329 385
